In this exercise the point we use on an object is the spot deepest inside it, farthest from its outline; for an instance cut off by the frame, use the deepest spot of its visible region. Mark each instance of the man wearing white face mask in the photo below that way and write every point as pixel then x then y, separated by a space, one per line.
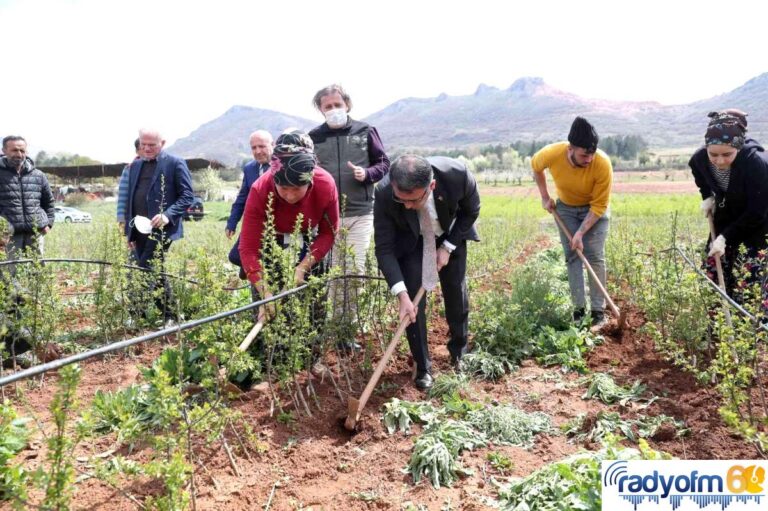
pixel 352 152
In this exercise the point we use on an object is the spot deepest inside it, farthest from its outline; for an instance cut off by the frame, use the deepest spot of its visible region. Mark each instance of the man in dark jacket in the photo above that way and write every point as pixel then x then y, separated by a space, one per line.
pixel 159 189
pixel 424 213
pixel 15 338
pixel 261 146
pixel 26 199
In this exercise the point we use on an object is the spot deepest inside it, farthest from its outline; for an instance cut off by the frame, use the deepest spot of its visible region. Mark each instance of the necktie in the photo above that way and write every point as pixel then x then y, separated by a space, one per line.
pixel 429 276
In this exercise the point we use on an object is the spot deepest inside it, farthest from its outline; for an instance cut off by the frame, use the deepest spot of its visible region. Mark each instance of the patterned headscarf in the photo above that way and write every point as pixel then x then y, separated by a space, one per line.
pixel 293 169
pixel 727 127
pixel 293 141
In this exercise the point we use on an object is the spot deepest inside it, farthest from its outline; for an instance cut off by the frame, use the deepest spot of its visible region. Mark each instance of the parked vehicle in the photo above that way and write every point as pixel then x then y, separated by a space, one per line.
pixel 195 211
pixel 68 215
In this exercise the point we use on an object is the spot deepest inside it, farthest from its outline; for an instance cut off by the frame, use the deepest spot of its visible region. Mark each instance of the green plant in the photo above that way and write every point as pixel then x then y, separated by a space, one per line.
pixel 603 424
pixel 485 366
pixel 400 414
pixel 14 434
pixel 435 454
pixel 458 406
pixel 500 462
pixel 448 383
pixel 60 478
pixel 603 387
pixel 572 483
pixel 123 412
pixel 532 321
pixel 566 347
pixel 508 425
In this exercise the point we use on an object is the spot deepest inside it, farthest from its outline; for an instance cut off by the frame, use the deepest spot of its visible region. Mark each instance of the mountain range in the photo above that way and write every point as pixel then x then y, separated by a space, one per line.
pixel 528 110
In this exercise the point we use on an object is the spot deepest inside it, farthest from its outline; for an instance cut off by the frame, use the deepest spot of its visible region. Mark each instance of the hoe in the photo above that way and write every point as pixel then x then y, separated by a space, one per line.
pixel 356 405
pixel 621 316
pixel 229 386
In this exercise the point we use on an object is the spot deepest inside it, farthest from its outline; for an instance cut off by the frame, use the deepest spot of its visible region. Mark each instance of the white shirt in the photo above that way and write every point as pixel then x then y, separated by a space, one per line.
pixel 399 287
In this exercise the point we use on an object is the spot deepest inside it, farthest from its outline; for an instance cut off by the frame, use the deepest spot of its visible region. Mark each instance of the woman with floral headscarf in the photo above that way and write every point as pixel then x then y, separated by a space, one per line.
pixel 731 172
pixel 294 185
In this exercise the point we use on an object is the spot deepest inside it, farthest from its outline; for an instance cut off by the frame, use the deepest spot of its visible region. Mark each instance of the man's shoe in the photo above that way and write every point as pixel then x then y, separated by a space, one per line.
pixel 599 320
pixel 423 380
pixel 348 346
pixel 578 314
pixel 456 363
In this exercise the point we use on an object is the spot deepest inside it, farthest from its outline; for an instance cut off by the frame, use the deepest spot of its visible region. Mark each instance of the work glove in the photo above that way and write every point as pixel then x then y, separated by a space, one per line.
pixel 717 248
pixel 708 206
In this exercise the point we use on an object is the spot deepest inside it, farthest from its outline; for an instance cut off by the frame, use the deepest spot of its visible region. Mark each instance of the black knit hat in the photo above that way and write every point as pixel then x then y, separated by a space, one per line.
pixel 583 135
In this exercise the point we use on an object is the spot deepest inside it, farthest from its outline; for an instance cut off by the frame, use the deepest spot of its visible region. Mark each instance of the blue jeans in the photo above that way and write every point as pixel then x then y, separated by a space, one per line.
pixel 594 252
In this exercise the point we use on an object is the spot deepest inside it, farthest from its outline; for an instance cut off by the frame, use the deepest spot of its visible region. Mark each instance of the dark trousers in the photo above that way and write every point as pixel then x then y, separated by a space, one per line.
pixel 453 283
pixel 150 254
pixel 234 254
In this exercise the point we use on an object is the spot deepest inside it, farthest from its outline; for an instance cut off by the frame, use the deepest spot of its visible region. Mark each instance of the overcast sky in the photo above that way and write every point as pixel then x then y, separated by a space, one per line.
pixel 83 75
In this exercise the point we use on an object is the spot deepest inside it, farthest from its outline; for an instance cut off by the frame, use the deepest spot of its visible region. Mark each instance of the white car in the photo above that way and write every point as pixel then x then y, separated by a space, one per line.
pixel 68 215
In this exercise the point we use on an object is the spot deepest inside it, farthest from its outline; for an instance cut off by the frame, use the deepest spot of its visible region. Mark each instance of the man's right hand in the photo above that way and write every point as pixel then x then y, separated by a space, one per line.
pixel 407 309
pixel 229 233
pixel 548 203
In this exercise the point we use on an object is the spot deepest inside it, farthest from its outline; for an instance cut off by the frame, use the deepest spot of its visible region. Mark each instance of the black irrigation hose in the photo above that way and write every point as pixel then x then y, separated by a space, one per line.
pixel 56 364
pixel 164 274
pixel 103 263
pixel 730 301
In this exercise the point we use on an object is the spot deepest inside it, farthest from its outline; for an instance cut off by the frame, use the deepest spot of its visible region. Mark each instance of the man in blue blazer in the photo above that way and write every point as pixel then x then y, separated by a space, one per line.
pixel 159 188
pixel 261 146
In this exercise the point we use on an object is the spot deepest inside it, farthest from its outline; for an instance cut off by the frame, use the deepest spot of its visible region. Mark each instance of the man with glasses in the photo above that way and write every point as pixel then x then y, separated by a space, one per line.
pixel 423 215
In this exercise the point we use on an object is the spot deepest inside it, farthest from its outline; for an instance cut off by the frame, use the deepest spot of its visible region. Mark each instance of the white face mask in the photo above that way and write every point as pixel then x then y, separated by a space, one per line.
pixel 142 224
pixel 336 118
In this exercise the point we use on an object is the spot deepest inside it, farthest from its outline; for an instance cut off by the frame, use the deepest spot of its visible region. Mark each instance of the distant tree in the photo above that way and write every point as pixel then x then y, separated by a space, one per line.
pixel 210 184
pixel 626 147
pixel 44 159
pixel 511 160
pixel 494 162
pixel 481 163
pixel 466 161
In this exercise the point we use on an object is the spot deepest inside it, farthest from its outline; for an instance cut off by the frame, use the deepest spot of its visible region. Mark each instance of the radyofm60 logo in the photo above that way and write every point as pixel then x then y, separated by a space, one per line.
pixel 684 485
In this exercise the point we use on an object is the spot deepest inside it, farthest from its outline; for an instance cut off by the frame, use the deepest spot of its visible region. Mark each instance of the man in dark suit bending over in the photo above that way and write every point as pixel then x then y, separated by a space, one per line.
pixel 433 199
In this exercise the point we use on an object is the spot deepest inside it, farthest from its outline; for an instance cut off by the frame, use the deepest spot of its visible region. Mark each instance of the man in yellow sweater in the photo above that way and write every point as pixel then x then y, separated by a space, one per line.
pixel 582 176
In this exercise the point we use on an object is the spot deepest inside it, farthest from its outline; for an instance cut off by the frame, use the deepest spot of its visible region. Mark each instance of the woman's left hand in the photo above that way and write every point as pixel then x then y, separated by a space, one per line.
pixel 717 249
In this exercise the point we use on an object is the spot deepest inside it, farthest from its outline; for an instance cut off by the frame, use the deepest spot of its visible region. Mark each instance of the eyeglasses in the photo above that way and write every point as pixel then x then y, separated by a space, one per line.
pixel 409 201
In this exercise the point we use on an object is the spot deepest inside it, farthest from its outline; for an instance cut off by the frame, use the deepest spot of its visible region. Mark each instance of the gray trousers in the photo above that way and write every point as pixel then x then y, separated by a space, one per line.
pixel 594 252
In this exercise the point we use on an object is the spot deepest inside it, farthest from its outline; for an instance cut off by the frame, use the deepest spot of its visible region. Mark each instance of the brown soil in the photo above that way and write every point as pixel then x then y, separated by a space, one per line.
pixel 314 463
